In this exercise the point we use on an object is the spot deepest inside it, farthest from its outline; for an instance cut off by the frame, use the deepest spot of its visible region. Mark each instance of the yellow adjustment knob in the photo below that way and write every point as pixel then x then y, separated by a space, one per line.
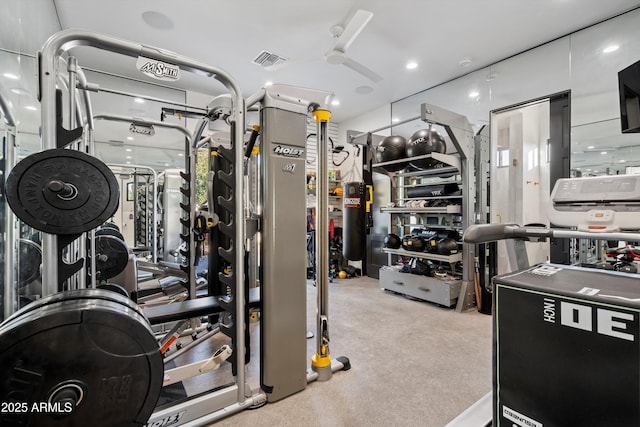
pixel 322 115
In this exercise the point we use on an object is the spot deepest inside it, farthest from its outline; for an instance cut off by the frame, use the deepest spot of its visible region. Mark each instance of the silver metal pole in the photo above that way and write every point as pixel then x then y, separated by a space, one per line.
pixel 96 88
pixel 322 360
pixel 10 301
pixel 78 247
pixel 322 227
pixel 11 243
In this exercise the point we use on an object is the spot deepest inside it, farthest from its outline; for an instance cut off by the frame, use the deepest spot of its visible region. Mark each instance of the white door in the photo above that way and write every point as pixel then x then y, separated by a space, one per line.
pixel 520 174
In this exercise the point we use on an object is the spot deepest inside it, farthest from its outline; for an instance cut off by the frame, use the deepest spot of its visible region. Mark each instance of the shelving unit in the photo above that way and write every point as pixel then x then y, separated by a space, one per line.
pixel 335 214
pixel 335 202
pixel 451 212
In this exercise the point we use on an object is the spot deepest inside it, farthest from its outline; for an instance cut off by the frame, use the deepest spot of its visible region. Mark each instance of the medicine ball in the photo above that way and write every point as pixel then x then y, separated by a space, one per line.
pixel 342 274
pixel 425 141
pixel 392 148
pixel 392 241
pixel 447 247
pixel 413 243
pixel 431 244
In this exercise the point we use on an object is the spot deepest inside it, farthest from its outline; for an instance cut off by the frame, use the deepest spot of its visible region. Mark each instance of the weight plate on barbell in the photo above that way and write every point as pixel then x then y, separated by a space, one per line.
pixel 88 346
pixel 109 231
pixel 110 225
pixel 29 262
pixel 62 191
pixel 112 257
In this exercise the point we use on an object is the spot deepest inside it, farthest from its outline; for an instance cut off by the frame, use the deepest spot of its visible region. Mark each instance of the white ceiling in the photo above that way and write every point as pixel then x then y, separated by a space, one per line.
pixel 228 34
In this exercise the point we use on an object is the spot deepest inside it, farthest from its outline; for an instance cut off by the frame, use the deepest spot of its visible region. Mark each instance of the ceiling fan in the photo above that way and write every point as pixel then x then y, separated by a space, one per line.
pixel 344 36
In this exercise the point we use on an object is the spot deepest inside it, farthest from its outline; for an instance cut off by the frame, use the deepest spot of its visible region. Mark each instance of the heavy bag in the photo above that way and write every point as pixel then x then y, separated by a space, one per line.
pixel 354 233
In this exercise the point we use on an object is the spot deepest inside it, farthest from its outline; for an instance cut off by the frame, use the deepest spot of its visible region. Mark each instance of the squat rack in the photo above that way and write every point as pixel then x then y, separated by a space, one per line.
pixel 59 43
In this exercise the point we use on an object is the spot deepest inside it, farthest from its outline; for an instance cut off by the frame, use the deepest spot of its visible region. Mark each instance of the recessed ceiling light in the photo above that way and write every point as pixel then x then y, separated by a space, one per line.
pixel 603 152
pixel 157 20
pixel 128 163
pixel 623 161
pixel 395 120
pixel 591 147
pixel 129 149
pixel 611 48
pixel 267 84
pixel 128 157
pixel 491 77
pixel 363 90
pixel 465 62
pixel 474 94
pixel 139 100
pixel 411 65
pixel 11 76
pixel 166 164
pixel 31 108
pixel 180 155
pixel 335 102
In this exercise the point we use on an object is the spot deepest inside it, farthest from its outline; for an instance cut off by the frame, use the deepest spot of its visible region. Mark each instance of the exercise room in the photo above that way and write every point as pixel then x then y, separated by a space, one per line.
pixel 346 213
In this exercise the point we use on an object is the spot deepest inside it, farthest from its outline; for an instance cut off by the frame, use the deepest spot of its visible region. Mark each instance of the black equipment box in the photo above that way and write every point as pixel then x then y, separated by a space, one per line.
pixel 566 350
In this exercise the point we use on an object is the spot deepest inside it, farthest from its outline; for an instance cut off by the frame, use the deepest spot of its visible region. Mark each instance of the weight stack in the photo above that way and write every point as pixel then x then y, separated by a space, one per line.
pixel 566 349
pixel 354 236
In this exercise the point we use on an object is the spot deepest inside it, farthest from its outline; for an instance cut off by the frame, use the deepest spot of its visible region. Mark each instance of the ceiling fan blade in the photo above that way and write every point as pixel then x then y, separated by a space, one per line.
pixel 352 29
pixel 361 69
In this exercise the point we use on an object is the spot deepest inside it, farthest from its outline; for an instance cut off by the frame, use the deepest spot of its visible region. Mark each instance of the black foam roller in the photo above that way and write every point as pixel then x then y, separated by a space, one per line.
pixel 433 190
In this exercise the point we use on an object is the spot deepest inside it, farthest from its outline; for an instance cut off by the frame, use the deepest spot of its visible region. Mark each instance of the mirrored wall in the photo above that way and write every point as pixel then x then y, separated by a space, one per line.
pixel 586 63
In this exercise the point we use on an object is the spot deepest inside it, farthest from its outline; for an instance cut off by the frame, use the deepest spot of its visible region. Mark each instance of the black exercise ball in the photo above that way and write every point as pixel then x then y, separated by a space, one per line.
pixel 431 244
pixel 392 241
pixel 425 141
pixel 447 247
pixel 413 243
pixel 392 148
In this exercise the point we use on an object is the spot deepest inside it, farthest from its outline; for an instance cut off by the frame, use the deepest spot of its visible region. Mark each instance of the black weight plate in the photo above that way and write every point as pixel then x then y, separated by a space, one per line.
pixel 110 225
pixel 29 262
pixel 94 340
pixel 76 294
pixel 33 196
pixel 114 288
pixel 108 231
pixel 112 257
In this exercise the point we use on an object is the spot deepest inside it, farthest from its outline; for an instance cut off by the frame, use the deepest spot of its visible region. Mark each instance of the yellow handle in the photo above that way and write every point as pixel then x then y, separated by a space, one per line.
pixel 370 198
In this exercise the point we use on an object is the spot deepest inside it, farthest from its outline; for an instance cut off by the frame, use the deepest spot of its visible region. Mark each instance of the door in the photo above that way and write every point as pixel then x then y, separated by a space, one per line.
pixel 520 174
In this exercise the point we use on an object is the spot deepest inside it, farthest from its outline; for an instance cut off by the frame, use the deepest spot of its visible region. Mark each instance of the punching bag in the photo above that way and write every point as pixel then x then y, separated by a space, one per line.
pixel 354 237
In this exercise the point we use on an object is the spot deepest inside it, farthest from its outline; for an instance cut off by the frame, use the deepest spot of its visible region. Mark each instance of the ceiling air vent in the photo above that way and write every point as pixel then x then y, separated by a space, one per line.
pixel 268 59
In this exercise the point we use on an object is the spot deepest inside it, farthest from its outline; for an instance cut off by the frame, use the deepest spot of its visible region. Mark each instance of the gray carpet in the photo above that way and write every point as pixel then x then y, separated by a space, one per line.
pixel 413 363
